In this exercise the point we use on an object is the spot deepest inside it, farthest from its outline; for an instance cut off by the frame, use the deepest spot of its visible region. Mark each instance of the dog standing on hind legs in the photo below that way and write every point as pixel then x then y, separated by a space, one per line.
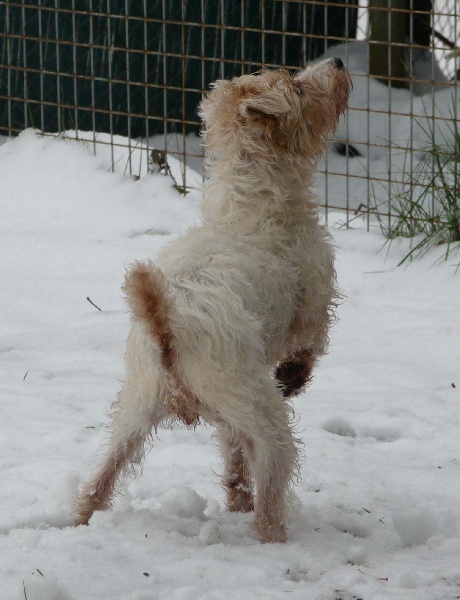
pixel 235 314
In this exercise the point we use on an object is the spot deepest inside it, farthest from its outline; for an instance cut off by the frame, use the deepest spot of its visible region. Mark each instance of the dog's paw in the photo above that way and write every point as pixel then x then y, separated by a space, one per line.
pixel 295 373
pixel 269 532
pixel 292 378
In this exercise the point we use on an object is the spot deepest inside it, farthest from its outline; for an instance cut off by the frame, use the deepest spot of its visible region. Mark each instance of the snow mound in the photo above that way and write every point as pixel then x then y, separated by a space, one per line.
pixel 184 502
pixel 415 526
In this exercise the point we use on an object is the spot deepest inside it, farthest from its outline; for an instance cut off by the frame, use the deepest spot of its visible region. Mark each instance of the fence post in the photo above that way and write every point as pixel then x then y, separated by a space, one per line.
pixel 420 32
pixel 388 20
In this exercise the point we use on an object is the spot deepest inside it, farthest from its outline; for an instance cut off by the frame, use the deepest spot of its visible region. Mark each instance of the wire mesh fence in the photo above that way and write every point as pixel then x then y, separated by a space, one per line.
pixel 130 73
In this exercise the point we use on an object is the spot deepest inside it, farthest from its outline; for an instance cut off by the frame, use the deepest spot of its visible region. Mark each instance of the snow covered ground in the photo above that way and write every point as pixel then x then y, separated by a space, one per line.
pixel 376 513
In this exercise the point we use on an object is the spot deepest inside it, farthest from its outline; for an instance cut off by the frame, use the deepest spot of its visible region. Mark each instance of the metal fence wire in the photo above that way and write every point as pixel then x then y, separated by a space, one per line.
pixel 130 74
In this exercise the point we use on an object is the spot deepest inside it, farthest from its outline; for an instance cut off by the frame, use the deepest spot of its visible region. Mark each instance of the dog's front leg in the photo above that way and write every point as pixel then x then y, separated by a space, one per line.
pixel 264 431
pixel 274 459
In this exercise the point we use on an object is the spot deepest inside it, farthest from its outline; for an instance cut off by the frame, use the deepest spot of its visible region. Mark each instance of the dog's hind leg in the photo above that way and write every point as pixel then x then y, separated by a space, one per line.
pixel 237 479
pixel 138 410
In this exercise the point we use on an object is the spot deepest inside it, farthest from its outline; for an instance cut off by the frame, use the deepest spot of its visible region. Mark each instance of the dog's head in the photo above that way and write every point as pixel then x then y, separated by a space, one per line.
pixel 273 114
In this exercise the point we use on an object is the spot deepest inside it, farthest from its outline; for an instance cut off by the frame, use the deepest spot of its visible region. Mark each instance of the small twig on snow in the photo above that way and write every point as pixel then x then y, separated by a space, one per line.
pixel 95 305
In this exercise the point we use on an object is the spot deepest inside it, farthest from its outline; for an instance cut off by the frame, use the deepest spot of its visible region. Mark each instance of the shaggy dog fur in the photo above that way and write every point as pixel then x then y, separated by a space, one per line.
pixel 235 314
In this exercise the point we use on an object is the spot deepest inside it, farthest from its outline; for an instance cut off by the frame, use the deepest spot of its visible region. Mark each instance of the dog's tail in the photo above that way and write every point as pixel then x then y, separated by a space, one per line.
pixel 146 287
pixel 146 290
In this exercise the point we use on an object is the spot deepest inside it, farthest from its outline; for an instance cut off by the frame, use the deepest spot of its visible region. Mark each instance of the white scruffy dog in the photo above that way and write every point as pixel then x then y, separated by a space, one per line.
pixel 235 313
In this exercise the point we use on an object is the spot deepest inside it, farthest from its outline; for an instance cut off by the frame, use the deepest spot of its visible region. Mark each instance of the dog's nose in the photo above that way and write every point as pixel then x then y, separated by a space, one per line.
pixel 338 62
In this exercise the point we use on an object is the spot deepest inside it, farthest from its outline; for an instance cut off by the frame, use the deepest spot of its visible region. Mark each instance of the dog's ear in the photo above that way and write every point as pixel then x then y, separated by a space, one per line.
pixel 248 111
pixel 265 107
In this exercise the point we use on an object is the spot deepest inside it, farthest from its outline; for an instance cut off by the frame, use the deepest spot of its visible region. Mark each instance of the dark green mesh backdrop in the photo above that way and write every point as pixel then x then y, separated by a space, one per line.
pixel 85 64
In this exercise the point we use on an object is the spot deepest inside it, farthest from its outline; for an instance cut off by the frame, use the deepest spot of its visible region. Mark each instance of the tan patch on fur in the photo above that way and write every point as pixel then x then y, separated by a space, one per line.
pixel 145 287
pixel 185 405
pixel 238 482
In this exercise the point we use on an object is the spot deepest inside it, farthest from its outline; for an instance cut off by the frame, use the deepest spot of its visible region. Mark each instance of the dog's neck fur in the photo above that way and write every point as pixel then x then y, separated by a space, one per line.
pixel 281 191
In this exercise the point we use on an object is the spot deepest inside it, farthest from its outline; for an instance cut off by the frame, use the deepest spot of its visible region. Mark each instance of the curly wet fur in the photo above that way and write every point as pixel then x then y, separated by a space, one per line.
pixel 234 315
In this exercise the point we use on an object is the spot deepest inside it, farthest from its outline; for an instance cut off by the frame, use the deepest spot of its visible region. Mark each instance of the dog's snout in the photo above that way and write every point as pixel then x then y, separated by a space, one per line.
pixel 338 62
